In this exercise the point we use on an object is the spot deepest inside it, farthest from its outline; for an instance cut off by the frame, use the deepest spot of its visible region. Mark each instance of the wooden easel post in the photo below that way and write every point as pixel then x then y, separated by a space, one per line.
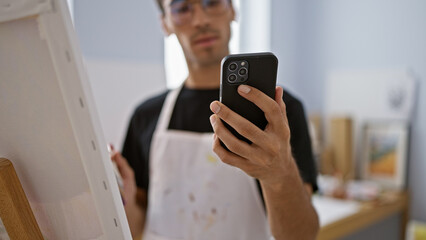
pixel 15 211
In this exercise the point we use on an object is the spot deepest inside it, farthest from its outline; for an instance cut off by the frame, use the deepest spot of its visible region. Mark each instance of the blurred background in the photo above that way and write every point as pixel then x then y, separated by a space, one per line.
pixel 358 66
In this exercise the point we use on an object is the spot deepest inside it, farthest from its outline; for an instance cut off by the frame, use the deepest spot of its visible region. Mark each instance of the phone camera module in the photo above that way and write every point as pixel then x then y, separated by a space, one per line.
pixel 232 78
pixel 233 66
pixel 242 71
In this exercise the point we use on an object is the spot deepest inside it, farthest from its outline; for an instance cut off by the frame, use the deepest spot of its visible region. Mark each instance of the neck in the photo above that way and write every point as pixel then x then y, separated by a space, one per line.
pixel 206 77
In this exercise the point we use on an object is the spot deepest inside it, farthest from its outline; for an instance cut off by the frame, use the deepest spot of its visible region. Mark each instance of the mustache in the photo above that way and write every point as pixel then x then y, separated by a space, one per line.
pixel 204 31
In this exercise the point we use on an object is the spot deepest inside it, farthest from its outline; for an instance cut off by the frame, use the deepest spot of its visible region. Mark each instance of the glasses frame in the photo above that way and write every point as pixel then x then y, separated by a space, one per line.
pixel 191 7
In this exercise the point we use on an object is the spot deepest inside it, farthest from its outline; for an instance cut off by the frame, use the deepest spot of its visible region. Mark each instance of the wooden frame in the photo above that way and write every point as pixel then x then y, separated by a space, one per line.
pixel 15 211
pixel 385 153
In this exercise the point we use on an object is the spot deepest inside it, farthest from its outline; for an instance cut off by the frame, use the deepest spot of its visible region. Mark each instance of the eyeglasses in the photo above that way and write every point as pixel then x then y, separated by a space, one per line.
pixel 182 11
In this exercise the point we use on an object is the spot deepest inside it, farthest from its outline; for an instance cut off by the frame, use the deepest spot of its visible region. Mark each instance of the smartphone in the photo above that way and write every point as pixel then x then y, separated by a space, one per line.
pixel 258 70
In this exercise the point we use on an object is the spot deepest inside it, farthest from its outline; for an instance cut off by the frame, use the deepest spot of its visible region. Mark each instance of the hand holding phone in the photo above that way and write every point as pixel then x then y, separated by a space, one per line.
pixel 258 70
pixel 250 121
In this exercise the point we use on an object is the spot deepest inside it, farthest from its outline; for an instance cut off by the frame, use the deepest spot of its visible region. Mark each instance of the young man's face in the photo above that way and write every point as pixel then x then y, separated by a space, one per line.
pixel 202 28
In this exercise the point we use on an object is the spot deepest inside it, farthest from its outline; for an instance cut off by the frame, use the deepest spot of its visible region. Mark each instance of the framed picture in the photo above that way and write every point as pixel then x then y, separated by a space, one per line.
pixel 385 153
pixel 416 230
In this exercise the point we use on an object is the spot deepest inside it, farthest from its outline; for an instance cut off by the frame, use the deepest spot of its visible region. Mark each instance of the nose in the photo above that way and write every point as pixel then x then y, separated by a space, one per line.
pixel 200 18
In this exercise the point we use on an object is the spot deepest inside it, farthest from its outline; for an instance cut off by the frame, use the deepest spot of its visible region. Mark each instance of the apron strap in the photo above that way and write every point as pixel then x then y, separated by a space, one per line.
pixel 167 109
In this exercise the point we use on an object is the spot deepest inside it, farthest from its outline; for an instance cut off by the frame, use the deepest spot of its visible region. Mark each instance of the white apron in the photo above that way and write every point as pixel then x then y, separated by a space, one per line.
pixel 195 196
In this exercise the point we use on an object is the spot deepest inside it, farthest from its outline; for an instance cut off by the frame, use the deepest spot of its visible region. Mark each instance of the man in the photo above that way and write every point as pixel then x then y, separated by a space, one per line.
pixel 178 185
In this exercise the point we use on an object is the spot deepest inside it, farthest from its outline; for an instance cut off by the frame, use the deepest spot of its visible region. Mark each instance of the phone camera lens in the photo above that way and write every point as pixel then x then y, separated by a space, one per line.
pixel 232 78
pixel 243 71
pixel 233 66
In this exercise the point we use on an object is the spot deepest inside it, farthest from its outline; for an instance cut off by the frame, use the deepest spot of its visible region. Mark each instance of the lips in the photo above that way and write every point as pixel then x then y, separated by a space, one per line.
pixel 205 41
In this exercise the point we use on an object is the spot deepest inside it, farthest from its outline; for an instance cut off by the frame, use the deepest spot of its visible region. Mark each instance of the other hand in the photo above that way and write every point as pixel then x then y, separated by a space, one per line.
pixel 128 191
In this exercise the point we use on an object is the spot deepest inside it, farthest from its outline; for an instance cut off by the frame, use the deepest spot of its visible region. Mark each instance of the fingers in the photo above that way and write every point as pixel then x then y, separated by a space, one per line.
pixel 271 108
pixel 228 157
pixel 128 186
pixel 235 145
pixel 279 93
pixel 243 126
pixel 123 166
pixel 275 113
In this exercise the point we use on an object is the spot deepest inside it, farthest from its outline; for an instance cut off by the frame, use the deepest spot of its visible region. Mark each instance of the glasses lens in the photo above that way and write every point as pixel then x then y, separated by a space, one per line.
pixel 215 7
pixel 181 11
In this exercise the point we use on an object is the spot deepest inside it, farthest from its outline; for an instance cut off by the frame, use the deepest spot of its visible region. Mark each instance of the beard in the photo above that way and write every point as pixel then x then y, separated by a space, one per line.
pixel 208 55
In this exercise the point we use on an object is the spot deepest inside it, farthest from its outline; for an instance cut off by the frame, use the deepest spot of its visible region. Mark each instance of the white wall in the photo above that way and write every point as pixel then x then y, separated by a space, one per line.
pixel 127 29
pixel 118 87
pixel 284 42
pixel 364 35
pixel 122 43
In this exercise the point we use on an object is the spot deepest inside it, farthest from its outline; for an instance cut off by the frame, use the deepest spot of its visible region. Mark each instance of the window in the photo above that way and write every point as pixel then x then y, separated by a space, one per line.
pixel 71 8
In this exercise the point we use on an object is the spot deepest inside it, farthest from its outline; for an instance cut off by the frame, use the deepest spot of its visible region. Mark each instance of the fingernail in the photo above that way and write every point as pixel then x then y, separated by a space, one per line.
pixel 212 119
pixel 215 107
pixel 244 88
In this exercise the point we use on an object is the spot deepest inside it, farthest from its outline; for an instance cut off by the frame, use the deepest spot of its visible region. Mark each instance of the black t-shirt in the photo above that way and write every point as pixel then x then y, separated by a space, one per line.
pixel 191 113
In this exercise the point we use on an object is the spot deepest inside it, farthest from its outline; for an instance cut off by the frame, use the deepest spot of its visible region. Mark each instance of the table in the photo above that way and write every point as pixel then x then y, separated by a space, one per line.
pixel 368 214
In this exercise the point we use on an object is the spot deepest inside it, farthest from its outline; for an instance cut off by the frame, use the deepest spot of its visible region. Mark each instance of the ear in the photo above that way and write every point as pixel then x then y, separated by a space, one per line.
pixel 165 27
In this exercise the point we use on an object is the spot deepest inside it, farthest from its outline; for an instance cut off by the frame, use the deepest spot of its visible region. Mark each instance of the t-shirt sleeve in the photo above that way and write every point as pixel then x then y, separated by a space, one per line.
pixel 301 143
pixel 133 153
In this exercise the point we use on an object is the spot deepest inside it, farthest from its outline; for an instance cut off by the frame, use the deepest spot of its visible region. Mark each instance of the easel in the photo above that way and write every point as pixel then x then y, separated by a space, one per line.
pixel 15 211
